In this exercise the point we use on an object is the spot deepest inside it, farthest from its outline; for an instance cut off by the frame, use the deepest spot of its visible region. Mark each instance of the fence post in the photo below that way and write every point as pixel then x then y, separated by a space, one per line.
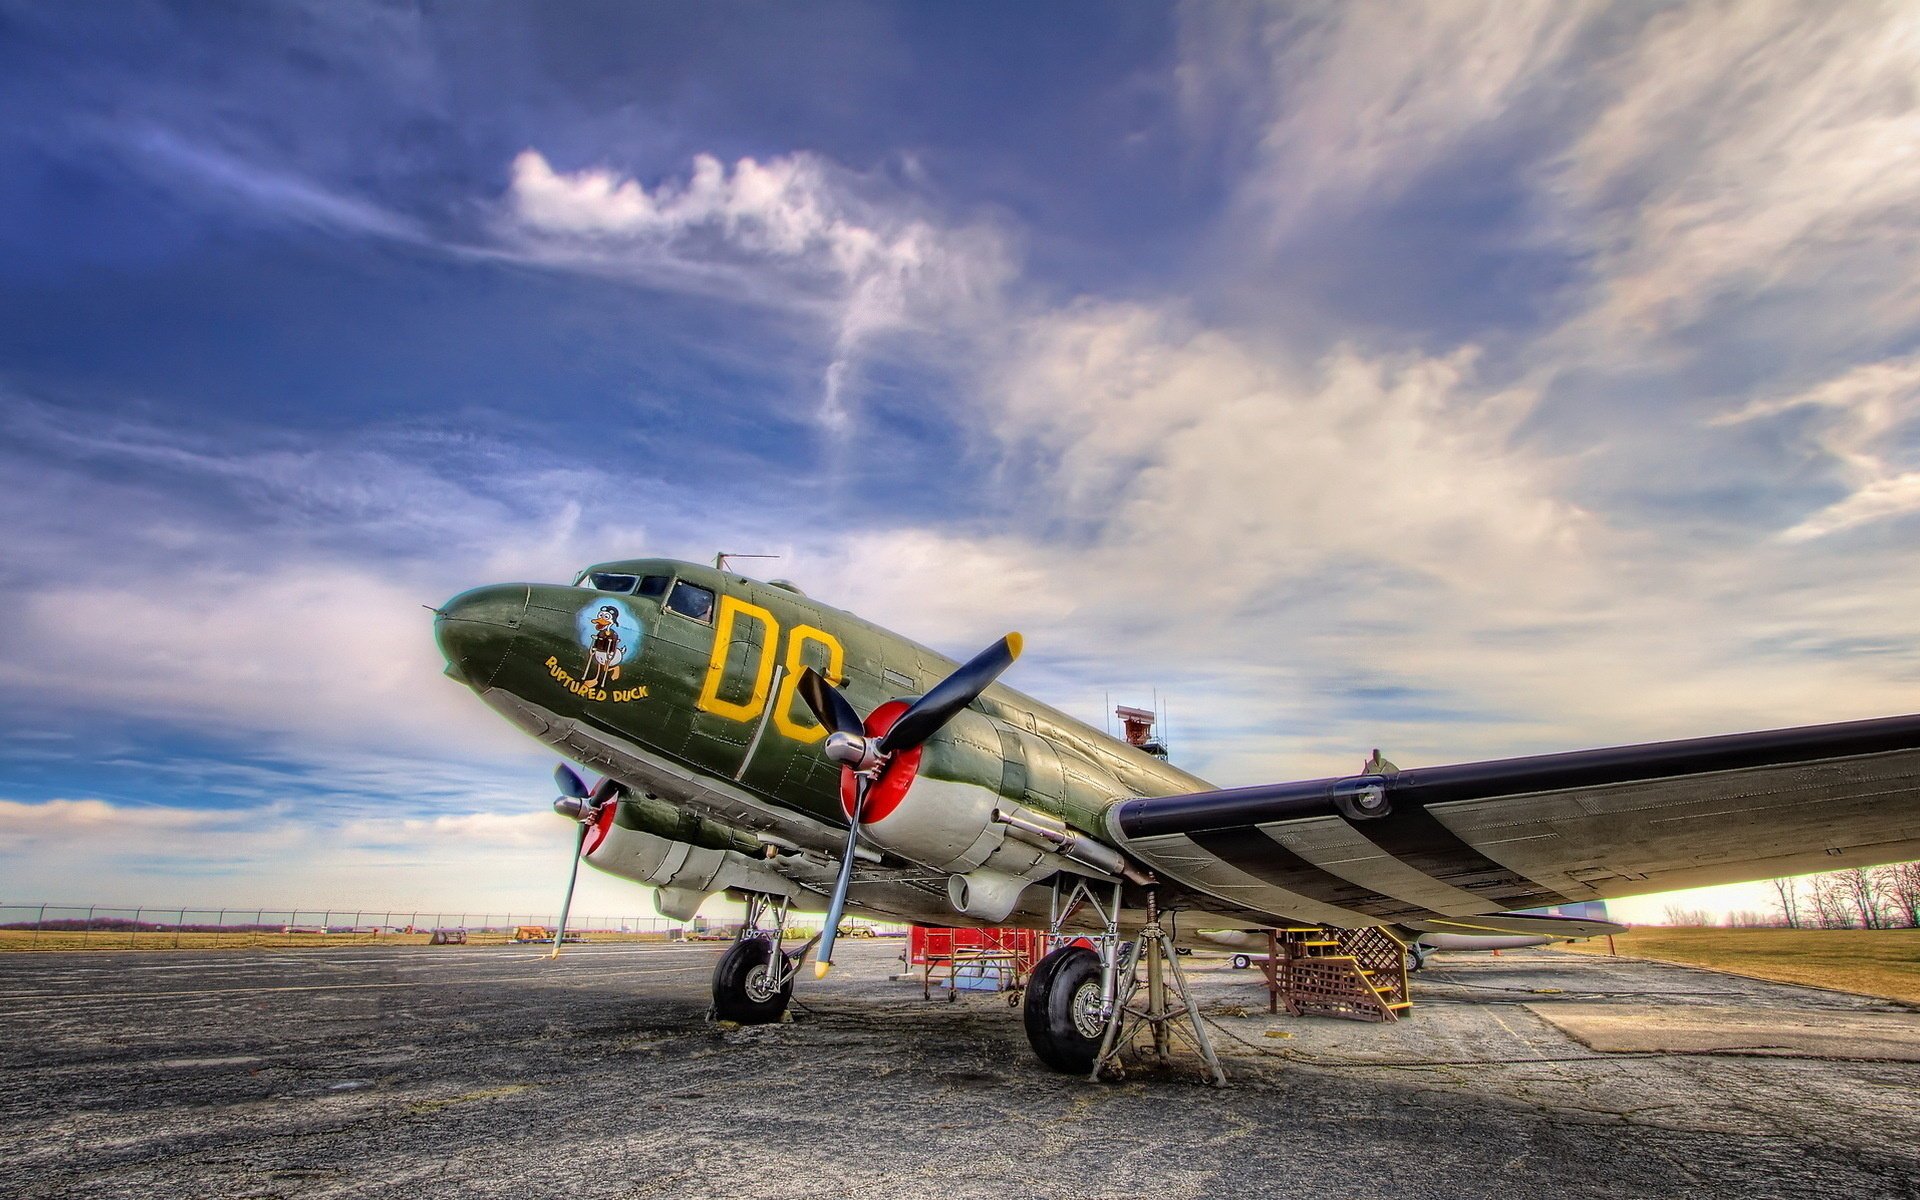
pixel 253 937
pixel 220 928
pixel 37 923
pixel 86 939
pixel 178 920
pixel 133 935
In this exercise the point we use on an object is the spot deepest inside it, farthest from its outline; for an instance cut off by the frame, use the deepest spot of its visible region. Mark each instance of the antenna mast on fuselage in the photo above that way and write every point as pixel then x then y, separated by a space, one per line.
pixel 720 560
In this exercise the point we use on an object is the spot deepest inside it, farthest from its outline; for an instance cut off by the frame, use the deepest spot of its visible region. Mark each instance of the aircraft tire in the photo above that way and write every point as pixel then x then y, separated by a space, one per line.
pixel 1241 962
pixel 740 993
pixel 1062 1009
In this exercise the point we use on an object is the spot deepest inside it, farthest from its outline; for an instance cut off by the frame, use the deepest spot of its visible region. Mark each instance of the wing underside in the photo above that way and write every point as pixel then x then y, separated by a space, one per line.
pixel 1487 838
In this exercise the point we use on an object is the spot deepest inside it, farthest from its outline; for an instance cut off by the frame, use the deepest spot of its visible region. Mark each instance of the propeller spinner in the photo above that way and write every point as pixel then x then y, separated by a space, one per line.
pixel 863 755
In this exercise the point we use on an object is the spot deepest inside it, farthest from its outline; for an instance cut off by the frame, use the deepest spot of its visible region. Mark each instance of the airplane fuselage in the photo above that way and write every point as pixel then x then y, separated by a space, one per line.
pixel 680 681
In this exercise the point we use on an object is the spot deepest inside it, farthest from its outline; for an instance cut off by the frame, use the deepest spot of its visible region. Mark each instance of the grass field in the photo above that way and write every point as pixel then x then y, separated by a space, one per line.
pixel 1872 962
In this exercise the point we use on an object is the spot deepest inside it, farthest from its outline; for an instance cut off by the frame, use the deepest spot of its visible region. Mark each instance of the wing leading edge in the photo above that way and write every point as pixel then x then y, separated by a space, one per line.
pixel 1483 838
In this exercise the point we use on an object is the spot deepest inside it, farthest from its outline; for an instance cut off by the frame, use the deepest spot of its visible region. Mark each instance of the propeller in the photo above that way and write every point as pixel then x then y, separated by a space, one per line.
pixel 584 805
pixel 864 755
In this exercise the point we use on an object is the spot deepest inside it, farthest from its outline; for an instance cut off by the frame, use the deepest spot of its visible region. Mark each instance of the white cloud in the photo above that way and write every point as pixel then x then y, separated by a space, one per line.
pixel 1690 158
pixel 1750 148
pixel 1353 102
pixel 792 231
pixel 91 851
pixel 1862 419
pixel 328 652
pixel 261 190
pixel 1200 447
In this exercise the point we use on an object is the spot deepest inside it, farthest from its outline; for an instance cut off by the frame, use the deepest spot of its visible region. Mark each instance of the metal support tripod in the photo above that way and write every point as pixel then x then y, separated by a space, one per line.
pixel 1155 946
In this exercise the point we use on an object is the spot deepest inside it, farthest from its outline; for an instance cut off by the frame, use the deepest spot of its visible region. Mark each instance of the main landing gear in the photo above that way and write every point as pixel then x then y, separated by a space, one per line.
pixel 1080 1010
pixel 753 981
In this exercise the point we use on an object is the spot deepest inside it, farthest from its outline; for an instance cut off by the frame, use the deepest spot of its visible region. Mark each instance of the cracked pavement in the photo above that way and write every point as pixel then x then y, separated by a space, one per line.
pixel 490 1071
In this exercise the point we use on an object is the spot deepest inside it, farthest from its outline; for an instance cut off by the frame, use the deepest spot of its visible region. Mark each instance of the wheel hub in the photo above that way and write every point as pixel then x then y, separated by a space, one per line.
pixel 1088 1020
pixel 759 984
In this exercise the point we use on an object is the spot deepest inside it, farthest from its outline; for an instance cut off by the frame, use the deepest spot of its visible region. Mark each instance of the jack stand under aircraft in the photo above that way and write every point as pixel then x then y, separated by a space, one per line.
pixel 753 981
pixel 1080 1013
pixel 1155 947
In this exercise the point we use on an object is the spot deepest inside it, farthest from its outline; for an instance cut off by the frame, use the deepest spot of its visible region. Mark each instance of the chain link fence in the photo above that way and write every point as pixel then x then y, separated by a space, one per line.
pixel 98 927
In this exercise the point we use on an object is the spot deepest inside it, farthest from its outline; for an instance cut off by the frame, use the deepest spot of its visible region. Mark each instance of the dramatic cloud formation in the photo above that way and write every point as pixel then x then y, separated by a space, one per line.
pixel 1752 148
pixel 1468 380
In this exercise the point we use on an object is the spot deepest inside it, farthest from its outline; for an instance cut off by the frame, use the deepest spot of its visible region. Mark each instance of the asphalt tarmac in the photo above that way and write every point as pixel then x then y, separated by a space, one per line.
pixel 489 1071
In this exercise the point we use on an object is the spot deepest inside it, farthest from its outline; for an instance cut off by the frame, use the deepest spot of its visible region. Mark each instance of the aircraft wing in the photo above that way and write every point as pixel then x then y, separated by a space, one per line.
pixel 1518 925
pixel 1489 837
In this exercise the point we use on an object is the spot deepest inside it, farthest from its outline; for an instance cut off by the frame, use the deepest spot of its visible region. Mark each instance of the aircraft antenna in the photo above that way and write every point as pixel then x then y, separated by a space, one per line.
pixel 720 560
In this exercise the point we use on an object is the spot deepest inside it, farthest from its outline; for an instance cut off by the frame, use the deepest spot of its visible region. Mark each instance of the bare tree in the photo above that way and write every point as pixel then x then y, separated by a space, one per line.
pixel 1903 893
pixel 1861 889
pixel 1675 915
pixel 1789 893
pixel 1748 919
pixel 1830 903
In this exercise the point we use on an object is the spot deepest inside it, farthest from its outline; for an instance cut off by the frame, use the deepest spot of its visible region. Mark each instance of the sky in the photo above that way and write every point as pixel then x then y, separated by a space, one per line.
pixel 1466 380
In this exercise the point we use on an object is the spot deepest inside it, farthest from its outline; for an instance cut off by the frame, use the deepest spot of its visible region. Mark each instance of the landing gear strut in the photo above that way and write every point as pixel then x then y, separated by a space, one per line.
pixel 1080 1009
pixel 1154 946
pixel 753 980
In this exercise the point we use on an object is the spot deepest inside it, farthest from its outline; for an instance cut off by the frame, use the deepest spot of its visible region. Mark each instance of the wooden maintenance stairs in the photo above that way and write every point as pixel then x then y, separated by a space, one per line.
pixel 1320 971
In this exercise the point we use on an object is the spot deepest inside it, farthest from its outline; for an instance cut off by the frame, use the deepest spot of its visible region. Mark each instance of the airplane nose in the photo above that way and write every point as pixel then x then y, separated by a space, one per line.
pixel 476 629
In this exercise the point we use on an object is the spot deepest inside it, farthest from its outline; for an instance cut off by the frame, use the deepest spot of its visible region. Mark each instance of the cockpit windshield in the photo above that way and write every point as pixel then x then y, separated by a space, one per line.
pixel 625 583
pixel 608 581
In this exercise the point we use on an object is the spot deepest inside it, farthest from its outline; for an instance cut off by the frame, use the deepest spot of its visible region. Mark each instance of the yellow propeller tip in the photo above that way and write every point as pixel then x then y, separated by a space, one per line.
pixel 1014 643
pixel 820 969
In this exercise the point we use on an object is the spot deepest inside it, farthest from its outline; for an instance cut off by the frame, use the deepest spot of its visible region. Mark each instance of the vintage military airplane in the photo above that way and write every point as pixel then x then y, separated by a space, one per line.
pixel 754 741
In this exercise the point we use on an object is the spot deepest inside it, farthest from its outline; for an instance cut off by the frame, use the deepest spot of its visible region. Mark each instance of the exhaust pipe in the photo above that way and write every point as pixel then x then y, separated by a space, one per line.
pixel 1049 834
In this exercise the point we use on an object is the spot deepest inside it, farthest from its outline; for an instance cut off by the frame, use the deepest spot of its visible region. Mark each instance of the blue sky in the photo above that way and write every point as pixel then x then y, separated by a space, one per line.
pixel 1462 380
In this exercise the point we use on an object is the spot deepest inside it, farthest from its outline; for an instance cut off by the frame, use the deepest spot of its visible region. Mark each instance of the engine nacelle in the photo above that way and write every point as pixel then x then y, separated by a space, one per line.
pixel 949 816
pixel 679 870
pixel 985 895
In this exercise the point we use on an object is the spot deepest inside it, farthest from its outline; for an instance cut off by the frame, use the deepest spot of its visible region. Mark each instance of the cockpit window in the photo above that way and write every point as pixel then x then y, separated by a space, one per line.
pixel 654 586
pixel 691 601
pixel 607 581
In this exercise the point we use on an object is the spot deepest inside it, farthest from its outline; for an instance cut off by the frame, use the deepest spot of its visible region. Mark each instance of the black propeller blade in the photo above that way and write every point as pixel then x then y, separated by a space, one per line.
pixel 950 695
pixel 830 708
pixel 847 743
pixel 837 905
pixel 560 930
pixel 583 804
pixel 569 782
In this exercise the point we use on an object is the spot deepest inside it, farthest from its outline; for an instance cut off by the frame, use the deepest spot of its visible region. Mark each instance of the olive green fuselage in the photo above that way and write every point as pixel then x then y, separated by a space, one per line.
pixel 712 693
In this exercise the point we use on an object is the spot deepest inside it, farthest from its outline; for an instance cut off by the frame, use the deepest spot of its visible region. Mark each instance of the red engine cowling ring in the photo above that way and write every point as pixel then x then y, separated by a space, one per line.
pixel 896 777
